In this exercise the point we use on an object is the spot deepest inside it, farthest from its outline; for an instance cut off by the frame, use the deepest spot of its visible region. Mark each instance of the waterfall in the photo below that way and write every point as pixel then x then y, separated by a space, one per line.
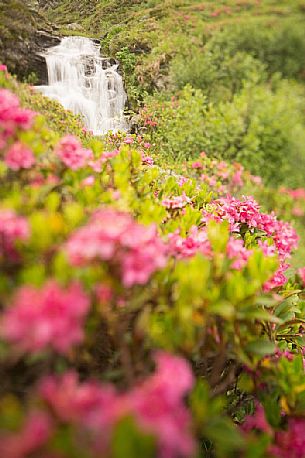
pixel 85 83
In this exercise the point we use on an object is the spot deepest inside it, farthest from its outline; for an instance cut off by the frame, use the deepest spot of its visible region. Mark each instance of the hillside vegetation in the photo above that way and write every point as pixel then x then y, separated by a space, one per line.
pixel 152 283
pixel 236 69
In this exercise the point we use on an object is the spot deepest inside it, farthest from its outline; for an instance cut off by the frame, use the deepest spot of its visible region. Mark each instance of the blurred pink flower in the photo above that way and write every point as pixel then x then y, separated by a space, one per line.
pixel 19 157
pixel 33 435
pixel 72 153
pixel 176 202
pixel 47 317
pixel 114 236
pixel 301 272
pixel 157 406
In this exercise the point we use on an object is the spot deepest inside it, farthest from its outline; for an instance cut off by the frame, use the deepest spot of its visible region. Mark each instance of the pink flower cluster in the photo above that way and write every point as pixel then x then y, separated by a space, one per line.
pixel 288 443
pixel 97 164
pixel 12 229
pixel 51 317
pixel 72 153
pixel 114 236
pixel 12 116
pixel 147 160
pixel 257 421
pixel 238 253
pixel 156 405
pixel 291 442
pixel 247 212
pixel 298 194
pixel 186 247
pixel 176 202
pixel 19 157
pixel 34 434
pixel 222 176
pixel 197 242
pixel 301 273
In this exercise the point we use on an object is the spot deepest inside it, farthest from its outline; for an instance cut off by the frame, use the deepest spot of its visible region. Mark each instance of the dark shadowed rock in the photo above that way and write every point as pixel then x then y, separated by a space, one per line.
pixel 25 35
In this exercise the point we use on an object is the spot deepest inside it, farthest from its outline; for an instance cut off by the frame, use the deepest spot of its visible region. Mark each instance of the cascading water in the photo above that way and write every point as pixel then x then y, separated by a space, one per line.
pixel 87 84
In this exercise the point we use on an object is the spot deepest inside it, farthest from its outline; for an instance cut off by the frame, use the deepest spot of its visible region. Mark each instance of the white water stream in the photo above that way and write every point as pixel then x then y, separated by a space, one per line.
pixel 87 84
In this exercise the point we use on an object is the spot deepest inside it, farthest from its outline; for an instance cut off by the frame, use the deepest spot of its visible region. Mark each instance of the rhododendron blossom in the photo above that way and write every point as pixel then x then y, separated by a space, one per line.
pixel 12 226
pixel 147 160
pixel 12 116
pixel 257 421
pixel 176 201
pixel 247 212
pixel 19 157
pixel 237 252
pixel 32 437
pixel 156 405
pixel 72 153
pixel 291 442
pixel 195 242
pixel 48 317
pixel 114 236
pixel 301 272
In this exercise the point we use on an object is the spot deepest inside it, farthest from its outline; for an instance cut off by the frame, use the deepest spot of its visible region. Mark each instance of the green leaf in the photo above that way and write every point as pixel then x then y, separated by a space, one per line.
pixel 261 347
pixel 129 442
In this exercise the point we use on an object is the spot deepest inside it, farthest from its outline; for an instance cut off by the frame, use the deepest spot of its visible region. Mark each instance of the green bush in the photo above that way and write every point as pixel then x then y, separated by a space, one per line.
pixel 262 127
pixel 216 72
pixel 280 47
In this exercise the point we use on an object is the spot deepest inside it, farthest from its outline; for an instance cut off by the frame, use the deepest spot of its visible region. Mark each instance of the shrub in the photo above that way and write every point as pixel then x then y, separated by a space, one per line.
pixel 141 311
pixel 263 128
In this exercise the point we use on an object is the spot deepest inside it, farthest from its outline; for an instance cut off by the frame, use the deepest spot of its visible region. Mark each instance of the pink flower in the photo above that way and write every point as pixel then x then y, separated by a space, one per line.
pixel 257 421
pixel 197 165
pixel 157 406
pixel 159 409
pixel 182 180
pixel 106 155
pixel 176 202
pixel 147 145
pixel 49 317
pixel 196 242
pixel 147 160
pixel 12 116
pixel 34 434
pixel 104 293
pixel 297 211
pixel 88 404
pixel 13 227
pixel 301 273
pixel 88 181
pixel 128 140
pixel 19 157
pixel 237 252
pixel 256 180
pixel 72 154
pixel 247 212
pixel 115 237
pixel 278 279
pixel 3 68
pixel 291 442
pixel 237 180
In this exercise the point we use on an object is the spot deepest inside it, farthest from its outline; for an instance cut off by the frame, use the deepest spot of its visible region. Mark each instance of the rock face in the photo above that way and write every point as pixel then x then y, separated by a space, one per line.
pixel 43 40
pixel 24 36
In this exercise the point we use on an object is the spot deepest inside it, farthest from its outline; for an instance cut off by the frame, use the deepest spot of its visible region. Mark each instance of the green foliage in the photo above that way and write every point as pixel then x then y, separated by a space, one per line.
pixel 258 128
pixel 218 73
pixel 280 48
